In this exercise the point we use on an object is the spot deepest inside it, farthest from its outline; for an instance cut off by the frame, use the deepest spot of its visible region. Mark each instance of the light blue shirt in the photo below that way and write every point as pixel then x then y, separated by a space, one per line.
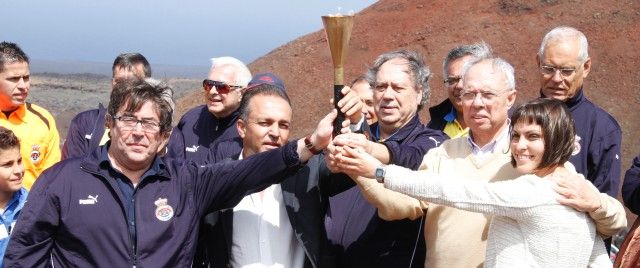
pixel 8 219
pixel 488 149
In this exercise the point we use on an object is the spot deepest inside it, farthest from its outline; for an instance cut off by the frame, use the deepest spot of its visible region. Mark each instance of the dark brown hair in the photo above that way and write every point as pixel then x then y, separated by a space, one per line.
pixel 558 130
pixel 259 90
pixel 11 53
pixel 8 140
pixel 128 61
pixel 133 93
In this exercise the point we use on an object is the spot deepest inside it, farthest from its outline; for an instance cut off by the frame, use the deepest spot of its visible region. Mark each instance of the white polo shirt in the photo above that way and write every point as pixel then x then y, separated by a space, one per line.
pixel 262 234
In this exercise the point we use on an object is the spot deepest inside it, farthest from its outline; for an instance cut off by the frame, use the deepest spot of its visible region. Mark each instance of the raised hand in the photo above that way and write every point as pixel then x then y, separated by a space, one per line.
pixel 350 104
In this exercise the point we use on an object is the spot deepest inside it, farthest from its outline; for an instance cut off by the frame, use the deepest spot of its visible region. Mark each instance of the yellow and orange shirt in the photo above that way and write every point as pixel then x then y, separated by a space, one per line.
pixel 39 139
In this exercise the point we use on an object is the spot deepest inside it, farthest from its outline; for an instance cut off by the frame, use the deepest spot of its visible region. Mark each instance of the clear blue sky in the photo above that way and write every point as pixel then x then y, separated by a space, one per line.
pixel 174 32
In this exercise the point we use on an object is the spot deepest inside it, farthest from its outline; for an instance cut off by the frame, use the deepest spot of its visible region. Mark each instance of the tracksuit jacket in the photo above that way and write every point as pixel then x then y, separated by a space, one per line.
pixel 198 131
pixel 629 254
pixel 85 132
pixel 75 215
pixel 631 187
pixel 600 136
pixel 358 237
pixel 437 114
pixel 193 139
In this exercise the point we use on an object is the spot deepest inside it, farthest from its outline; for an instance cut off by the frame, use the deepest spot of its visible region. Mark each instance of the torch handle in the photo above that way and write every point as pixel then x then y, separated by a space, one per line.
pixel 337 96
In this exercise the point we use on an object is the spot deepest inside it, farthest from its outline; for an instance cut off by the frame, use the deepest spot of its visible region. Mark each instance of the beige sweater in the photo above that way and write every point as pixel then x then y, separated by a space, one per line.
pixel 457 238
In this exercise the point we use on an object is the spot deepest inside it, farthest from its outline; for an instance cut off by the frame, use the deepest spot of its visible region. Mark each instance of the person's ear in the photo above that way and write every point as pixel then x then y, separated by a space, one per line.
pixel 108 121
pixel 586 68
pixel 241 127
pixel 511 98
pixel 164 140
pixel 419 97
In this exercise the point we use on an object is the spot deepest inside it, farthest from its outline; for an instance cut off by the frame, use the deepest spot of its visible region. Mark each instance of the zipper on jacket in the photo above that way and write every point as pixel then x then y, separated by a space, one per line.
pixel 132 235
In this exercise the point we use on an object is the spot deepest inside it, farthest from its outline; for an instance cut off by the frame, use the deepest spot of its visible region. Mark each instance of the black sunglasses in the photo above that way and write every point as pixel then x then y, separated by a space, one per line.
pixel 221 87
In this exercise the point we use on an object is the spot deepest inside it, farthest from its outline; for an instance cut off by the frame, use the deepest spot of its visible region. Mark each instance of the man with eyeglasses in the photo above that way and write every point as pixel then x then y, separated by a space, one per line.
pixel 564 63
pixel 123 205
pixel 456 238
pixel 447 116
pixel 87 129
pixel 202 127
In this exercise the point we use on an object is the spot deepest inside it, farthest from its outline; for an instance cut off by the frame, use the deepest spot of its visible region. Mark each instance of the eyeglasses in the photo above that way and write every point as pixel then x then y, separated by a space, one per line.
pixel 221 87
pixel 551 71
pixel 453 80
pixel 486 97
pixel 130 123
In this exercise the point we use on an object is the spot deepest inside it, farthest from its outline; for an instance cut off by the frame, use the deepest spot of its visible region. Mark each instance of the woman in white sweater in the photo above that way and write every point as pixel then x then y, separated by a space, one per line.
pixel 529 228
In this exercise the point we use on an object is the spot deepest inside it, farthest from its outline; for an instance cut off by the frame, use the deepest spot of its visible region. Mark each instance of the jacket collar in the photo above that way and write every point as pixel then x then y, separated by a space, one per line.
pixel 224 121
pixel 573 101
pixel 98 161
pixel 18 113
pixel 401 133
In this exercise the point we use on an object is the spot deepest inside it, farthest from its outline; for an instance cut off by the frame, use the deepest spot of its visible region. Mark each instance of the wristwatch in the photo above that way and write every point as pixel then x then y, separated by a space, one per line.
pixel 380 172
pixel 309 145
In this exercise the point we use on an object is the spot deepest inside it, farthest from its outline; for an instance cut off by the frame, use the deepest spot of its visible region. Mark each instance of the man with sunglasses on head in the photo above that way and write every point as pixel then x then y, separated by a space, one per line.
pixel 203 126
pixel 564 63
pixel 447 116
pixel 87 129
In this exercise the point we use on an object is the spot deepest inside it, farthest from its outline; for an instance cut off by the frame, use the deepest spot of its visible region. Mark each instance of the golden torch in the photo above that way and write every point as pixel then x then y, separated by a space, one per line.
pixel 338 30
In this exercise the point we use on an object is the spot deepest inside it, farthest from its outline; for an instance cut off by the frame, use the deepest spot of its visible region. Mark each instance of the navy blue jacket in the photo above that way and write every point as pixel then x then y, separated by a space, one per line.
pixel 631 187
pixel 600 136
pixel 198 131
pixel 358 236
pixel 85 132
pixel 75 216
pixel 437 114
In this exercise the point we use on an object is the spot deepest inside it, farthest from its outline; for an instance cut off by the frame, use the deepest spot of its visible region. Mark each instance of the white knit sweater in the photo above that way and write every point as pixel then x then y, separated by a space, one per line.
pixel 529 229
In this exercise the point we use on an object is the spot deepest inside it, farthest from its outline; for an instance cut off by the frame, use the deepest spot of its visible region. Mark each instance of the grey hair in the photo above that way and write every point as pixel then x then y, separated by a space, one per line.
pixel 418 71
pixel 563 33
pixel 243 75
pixel 167 90
pixel 480 50
pixel 498 65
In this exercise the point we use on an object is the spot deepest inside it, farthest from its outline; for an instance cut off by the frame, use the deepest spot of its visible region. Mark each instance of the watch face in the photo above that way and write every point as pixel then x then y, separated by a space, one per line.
pixel 379 172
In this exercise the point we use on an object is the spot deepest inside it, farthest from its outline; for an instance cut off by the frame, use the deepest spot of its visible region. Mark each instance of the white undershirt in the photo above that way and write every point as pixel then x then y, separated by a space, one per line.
pixel 262 234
